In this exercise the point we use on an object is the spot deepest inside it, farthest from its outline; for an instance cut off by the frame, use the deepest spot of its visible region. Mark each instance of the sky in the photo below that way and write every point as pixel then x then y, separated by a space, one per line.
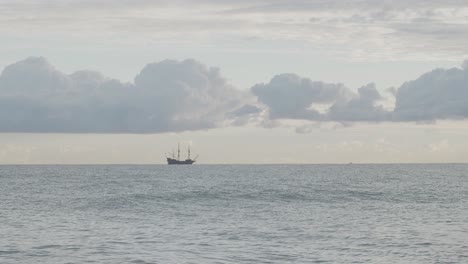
pixel 122 82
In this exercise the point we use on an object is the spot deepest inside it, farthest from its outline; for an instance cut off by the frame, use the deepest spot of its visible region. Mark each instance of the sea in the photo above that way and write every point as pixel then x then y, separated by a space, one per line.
pixel 353 213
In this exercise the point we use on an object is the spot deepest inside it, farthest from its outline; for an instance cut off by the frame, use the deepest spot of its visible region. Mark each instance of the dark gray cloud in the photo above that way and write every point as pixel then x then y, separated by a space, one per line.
pixel 362 107
pixel 167 96
pixel 172 96
pixel 247 114
pixel 290 96
pixel 187 95
pixel 439 94
pixel 246 109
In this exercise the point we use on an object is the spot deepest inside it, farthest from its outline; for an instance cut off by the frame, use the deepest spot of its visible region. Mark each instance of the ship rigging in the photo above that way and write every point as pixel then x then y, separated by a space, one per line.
pixel 173 160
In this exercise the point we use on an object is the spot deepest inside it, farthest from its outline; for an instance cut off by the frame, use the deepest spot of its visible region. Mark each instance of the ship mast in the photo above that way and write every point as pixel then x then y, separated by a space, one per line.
pixel 188 151
pixel 178 151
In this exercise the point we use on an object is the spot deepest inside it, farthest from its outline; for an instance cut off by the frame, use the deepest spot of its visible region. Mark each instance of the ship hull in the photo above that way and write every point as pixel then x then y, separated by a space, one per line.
pixel 180 162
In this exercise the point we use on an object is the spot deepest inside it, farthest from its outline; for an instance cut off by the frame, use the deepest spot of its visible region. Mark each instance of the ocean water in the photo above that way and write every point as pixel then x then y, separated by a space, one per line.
pixel 234 214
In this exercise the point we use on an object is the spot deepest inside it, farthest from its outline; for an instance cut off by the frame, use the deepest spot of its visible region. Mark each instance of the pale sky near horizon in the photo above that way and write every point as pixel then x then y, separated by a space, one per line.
pixel 267 81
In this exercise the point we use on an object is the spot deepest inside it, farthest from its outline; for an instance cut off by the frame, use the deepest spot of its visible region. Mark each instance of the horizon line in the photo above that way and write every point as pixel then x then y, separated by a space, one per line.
pixel 211 164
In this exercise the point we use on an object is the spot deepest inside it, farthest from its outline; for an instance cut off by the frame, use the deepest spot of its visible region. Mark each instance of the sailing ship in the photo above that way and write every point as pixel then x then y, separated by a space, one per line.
pixel 173 160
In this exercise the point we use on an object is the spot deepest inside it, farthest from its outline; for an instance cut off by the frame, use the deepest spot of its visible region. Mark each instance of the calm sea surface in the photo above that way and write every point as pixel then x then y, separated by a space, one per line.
pixel 234 214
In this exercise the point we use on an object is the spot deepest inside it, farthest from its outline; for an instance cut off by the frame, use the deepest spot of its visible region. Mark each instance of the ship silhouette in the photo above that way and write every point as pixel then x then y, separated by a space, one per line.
pixel 173 160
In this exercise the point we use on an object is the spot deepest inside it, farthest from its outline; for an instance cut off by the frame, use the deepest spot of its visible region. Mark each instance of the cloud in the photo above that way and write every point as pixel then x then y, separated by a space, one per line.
pixel 363 107
pixel 33 75
pixel 173 96
pixel 436 95
pixel 187 95
pixel 465 65
pixel 246 109
pixel 167 96
pixel 309 128
pixel 439 94
pixel 247 114
pixel 289 96
pixel 356 30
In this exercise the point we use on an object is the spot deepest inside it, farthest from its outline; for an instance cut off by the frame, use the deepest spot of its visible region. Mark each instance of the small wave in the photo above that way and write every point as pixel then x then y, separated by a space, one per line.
pixel 47 247
pixel 366 195
pixel 119 242
pixel 424 244
pixel 8 252
pixel 139 261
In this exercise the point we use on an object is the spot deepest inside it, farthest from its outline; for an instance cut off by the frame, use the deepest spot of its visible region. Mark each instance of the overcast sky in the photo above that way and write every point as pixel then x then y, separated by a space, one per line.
pixel 109 81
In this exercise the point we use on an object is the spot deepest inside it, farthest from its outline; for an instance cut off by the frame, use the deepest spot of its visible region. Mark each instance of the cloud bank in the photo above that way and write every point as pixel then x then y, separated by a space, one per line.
pixel 166 96
pixel 439 94
pixel 436 95
pixel 289 96
pixel 173 96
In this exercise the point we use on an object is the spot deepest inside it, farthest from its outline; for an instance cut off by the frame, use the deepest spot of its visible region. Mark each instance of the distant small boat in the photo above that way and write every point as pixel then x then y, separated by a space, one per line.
pixel 173 160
